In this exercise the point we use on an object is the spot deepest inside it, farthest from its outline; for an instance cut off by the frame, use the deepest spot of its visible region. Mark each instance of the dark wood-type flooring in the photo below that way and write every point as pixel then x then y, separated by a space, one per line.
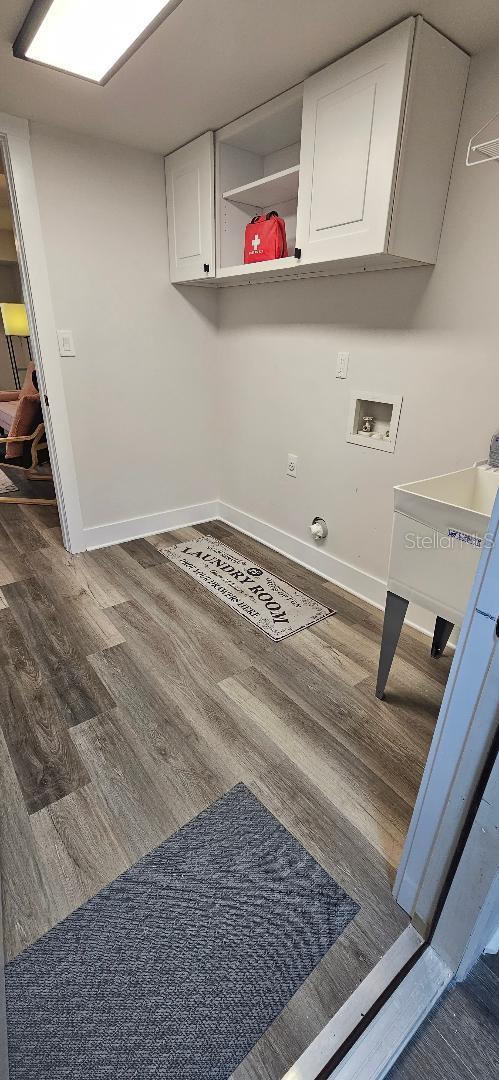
pixel 39 490
pixel 131 699
pixel 460 1038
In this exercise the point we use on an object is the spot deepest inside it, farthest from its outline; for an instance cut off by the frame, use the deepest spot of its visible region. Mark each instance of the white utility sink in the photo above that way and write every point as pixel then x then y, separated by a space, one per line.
pixel 466 497
pixel 439 527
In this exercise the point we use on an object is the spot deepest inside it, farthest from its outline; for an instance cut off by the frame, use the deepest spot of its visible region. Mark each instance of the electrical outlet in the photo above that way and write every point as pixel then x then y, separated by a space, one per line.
pixel 292 465
pixel 342 365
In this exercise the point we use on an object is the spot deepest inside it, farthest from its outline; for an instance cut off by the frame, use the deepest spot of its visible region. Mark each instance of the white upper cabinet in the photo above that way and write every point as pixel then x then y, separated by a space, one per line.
pixel 435 95
pixel 190 178
pixel 357 161
pixel 352 120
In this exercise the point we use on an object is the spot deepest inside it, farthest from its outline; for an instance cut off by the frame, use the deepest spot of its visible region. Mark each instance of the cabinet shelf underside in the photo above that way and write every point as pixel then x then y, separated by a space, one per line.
pixel 280 187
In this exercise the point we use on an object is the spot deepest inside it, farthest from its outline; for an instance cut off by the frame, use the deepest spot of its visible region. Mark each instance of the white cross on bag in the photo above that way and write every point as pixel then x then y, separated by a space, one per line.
pixel 255 242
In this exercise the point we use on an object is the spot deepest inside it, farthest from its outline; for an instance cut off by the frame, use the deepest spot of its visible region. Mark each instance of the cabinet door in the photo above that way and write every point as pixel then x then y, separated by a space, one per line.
pixel 351 126
pixel 190 194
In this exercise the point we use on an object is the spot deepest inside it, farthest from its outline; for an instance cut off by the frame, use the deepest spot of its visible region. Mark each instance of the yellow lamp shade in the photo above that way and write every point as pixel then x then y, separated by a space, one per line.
pixel 15 320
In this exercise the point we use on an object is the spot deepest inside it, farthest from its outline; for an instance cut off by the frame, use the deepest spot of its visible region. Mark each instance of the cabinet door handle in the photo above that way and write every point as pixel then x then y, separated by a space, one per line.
pixel 297 253
pixel 206 268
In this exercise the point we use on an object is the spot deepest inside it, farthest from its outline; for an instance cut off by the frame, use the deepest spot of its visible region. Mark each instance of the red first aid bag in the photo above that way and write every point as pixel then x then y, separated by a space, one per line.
pixel 265 238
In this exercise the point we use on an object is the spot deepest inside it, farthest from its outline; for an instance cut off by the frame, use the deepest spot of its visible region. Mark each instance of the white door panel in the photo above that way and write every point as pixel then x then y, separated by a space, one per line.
pixel 186 201
pixel 339 195
pixel 352 119
pixel 190 178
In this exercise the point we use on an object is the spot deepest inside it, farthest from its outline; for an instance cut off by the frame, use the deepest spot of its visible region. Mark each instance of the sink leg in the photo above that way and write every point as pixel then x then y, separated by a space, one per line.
pixel 395 610
pixel 443 631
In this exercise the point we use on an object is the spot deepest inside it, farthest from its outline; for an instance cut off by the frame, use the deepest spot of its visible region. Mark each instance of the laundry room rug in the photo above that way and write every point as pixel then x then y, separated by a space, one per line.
pixel 267 601
pixel 177 968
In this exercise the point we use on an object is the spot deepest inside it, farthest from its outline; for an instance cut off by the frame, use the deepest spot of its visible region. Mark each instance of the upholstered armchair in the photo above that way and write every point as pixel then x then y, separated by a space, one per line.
pixel 25 445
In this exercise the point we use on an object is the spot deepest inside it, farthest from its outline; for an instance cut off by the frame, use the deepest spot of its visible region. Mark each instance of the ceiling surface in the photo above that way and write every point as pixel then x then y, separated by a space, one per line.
pixel 213 60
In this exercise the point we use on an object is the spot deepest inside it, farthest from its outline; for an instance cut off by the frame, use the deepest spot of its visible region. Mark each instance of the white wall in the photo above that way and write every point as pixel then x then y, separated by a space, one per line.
pixel 429 335
pixel 140 391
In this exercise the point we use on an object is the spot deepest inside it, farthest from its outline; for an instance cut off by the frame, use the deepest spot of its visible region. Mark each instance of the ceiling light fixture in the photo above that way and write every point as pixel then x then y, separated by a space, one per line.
pixel 88 38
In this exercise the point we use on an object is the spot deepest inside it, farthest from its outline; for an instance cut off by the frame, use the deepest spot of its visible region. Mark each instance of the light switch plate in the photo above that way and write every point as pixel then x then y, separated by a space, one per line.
pixel 342 365
pixel 66 343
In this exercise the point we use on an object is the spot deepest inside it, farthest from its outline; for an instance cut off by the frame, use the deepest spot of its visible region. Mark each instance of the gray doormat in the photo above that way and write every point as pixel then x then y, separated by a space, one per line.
pixel 269 602
pixel 178 967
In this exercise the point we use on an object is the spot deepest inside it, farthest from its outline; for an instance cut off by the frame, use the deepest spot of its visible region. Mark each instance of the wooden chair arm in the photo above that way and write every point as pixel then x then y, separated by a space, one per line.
pixel 36 444
pixel 23 438
pixel 16 438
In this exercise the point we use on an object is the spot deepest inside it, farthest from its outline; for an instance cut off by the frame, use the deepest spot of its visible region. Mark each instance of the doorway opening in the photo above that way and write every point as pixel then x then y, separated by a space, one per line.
pixel 25 469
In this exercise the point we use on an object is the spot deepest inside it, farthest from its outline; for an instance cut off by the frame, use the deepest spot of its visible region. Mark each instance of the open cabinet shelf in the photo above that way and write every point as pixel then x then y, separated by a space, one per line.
pixel 257 166
pixel 279 187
